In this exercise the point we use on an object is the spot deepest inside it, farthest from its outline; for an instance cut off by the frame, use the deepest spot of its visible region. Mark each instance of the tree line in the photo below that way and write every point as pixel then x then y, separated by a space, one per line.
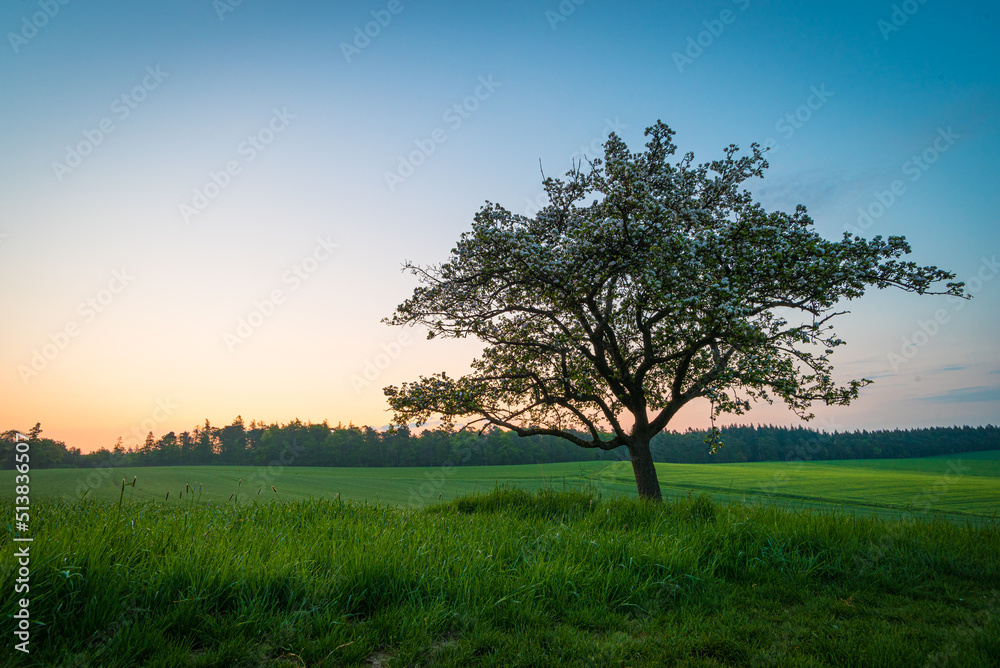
pixel 318 444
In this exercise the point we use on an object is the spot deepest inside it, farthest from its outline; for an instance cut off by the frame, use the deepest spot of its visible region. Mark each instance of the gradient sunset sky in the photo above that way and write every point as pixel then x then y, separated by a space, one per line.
pixel 169 169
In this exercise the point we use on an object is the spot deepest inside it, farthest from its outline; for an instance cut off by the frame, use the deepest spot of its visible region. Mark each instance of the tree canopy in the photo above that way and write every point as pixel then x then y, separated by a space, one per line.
pixel 643 285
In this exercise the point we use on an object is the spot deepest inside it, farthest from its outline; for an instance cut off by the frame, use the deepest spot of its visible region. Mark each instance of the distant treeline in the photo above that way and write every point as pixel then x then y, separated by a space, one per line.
pixel 308 444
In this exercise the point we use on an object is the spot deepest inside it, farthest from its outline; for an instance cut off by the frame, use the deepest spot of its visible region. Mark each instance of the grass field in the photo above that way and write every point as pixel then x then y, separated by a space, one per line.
pixel 958 486
pixel 507 578
pixel 843 563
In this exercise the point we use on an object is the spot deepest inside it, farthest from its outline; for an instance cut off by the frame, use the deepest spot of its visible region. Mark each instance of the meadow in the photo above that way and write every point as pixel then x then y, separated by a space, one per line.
pixel 956 486
pixel 531 566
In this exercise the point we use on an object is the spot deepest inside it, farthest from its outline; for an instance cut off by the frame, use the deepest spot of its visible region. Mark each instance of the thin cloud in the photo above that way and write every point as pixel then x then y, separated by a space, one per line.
pixel 811 187
pixel 967 395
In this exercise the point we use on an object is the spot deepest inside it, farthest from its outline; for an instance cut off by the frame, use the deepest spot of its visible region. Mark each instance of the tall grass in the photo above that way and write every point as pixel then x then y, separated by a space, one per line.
pixel 504 578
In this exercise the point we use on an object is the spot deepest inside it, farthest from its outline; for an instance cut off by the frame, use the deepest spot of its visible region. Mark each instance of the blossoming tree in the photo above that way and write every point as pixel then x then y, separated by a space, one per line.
pixel 643 285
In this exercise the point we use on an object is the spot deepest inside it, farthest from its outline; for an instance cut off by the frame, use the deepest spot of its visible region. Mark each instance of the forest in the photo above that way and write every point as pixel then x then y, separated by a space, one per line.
pixel 318 444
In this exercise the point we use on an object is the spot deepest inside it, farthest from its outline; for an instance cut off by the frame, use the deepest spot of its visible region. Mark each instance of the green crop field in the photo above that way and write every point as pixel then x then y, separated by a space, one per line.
pixel 957 486
pixel 954 486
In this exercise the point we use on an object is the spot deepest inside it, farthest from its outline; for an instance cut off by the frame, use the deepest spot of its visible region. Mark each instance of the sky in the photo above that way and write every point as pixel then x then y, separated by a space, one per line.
pixel 205 205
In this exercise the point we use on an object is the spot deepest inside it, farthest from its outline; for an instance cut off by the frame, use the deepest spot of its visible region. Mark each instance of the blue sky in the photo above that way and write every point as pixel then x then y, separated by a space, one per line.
pixel 237 158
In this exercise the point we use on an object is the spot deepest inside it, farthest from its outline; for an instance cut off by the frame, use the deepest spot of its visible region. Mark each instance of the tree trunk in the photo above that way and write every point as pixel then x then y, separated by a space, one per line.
pixel 645 472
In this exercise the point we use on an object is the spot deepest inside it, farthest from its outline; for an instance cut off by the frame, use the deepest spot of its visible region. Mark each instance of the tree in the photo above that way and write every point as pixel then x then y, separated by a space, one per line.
pixel 642 286
pixel 167 451
pixel 147 449
pixel 206 441
pixel 232 442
